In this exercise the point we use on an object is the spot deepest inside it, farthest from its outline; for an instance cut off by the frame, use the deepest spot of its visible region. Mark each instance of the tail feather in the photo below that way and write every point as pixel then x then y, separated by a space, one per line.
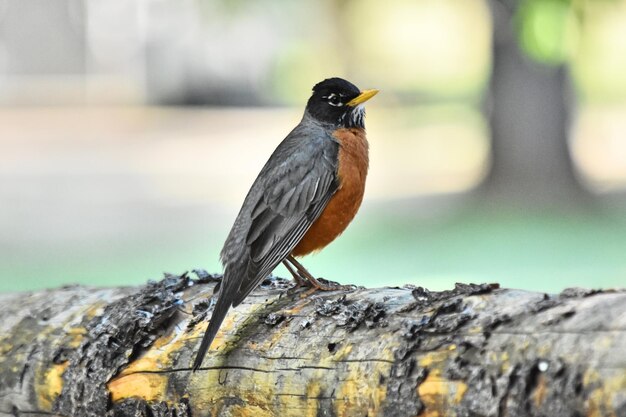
pixel 224 301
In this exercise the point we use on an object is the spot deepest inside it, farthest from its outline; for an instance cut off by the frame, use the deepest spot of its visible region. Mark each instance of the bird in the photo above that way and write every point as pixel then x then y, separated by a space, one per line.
pixel 305 196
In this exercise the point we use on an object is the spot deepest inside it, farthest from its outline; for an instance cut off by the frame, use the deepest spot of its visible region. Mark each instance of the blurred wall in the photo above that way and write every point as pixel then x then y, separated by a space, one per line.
pixel 235 53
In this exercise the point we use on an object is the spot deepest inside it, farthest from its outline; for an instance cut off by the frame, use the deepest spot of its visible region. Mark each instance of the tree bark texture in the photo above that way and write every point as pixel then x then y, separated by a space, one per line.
pixel 473 351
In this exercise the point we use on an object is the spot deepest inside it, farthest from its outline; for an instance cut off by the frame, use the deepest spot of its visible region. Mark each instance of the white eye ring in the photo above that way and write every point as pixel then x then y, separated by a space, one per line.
pixel 334 100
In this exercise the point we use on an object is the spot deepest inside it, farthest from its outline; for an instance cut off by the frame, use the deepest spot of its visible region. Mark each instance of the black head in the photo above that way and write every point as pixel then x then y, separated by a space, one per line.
pixel 338 102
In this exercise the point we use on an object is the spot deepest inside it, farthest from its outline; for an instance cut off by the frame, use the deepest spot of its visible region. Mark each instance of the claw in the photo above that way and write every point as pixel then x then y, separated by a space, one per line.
pixel 315 284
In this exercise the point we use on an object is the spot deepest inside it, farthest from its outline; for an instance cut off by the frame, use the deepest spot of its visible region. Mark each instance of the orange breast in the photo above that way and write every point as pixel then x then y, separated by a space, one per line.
pixel 352 170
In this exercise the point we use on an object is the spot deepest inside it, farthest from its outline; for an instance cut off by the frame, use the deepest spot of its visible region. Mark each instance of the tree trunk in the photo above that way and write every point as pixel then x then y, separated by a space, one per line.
pixel 529 120
pixel 474 351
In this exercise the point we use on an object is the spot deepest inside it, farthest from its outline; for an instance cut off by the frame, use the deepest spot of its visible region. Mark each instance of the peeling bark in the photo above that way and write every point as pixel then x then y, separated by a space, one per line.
pixel 473 351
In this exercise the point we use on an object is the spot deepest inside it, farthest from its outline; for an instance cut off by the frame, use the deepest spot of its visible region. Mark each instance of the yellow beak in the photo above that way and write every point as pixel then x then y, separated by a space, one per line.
pixel 362 98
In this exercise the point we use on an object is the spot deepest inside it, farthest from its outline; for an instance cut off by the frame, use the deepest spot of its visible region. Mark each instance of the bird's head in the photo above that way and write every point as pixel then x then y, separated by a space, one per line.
pixel 338 102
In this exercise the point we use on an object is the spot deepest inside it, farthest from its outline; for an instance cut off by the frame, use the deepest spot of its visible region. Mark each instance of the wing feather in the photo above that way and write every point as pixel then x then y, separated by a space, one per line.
pixel 290 193
pixel 292 199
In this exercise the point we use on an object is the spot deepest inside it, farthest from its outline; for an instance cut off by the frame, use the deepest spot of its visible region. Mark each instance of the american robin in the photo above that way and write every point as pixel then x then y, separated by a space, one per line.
pixel 304 197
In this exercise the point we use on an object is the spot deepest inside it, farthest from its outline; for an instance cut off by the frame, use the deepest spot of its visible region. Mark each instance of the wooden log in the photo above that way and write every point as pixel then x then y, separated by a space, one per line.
pixel 473 351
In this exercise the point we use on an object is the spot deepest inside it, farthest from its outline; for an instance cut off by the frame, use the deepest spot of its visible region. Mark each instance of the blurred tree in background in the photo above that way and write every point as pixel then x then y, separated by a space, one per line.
pixel 530 102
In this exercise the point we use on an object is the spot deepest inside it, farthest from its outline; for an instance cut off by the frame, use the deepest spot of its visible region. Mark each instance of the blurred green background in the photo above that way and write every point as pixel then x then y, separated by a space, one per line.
pixel 130 132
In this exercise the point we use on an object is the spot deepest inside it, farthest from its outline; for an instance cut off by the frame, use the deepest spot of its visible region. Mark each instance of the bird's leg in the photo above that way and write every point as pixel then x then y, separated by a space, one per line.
pixel 313 282
pixel 296 276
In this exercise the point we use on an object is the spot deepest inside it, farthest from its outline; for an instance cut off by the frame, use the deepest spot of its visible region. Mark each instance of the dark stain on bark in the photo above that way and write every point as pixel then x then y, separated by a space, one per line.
pixel 135 407
pixel 352 313
pixel 114 339
pixel 203 307
pixel 531 386
pixel 203 277
pixel 276 283
pixel 22 347
pixel 273 319
pixel 441 314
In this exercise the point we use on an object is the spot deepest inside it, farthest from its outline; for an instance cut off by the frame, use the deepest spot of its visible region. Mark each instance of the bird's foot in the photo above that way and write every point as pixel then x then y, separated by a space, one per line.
pixel 299 280
pixel 326 285
pixel 305 278
pixel 322 284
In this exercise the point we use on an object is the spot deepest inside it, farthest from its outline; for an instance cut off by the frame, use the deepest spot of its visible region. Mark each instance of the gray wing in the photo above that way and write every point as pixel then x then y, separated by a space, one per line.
pixel 287 197
pixel 291 192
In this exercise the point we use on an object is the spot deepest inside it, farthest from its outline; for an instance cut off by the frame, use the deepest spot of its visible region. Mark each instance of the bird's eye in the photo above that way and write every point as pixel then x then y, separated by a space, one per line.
pixel 334 100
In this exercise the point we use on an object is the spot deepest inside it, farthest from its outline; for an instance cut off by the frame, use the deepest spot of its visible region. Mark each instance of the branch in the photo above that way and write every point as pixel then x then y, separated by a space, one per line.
pixel 474 351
